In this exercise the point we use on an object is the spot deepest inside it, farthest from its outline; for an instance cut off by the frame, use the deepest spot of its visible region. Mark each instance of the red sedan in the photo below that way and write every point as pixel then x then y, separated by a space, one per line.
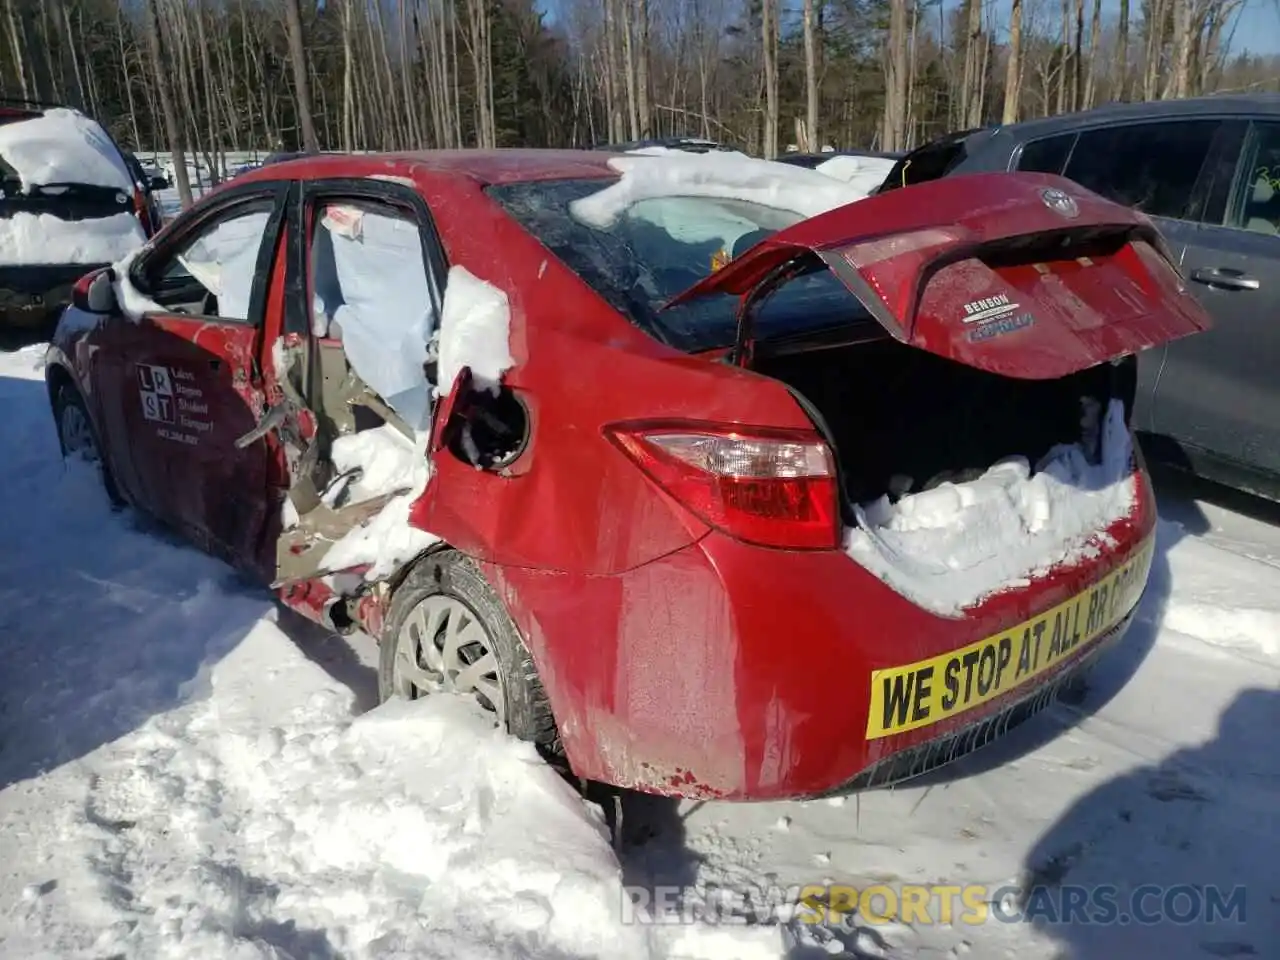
pixel 695 472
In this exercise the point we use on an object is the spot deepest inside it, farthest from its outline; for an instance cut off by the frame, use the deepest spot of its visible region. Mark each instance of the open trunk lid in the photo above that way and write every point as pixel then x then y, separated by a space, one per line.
pixel 1021 274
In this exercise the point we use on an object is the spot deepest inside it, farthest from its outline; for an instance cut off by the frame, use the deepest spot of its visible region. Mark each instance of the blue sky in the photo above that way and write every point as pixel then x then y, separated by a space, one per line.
pixel 1258 27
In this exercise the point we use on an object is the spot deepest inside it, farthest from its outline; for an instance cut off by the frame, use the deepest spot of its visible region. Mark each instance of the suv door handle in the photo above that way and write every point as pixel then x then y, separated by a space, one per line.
pixel 1223 277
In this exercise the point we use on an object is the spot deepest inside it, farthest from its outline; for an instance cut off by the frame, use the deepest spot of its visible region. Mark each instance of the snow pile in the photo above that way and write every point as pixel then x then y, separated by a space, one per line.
pixel 387 540
pixel 949 547
pixel 40 238
pixel 861 173
pixel 63 146
pixel 721 175
pixel 378 462
pixel 260 820
pixel 475 332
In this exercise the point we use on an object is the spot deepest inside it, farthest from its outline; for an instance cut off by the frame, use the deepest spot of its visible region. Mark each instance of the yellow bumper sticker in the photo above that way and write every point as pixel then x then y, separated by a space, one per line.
pixel 923 693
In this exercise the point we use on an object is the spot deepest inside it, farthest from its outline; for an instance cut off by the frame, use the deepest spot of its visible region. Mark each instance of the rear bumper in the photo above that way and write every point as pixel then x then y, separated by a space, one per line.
pixel 30 293
pixel 728 671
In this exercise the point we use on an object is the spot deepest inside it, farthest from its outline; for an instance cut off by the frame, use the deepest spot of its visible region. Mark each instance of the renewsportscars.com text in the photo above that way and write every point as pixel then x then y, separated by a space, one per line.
pixel 946 904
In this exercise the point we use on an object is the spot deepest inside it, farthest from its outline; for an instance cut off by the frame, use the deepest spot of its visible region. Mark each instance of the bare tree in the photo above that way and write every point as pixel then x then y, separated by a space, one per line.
pixel 642 70
pixel 1122 53
pixel 1013 69
pixel 971 88
pixel 172 134
pixel 1095 56
pixel 894 129
pixel 769 30
pixel 17 42
pixel 301 85
pixel 811 79
pixel 1155 18
pixel 1179 80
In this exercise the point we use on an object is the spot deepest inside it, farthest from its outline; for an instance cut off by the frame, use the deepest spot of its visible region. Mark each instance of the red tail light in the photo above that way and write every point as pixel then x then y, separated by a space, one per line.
pixel 775 488
pixel 891 266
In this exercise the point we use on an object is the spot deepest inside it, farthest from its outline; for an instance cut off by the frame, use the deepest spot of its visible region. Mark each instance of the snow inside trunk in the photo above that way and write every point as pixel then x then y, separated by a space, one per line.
pixel 967 483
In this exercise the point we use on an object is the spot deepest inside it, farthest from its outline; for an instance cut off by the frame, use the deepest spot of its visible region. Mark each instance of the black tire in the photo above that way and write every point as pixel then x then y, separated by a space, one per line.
pixel 451 574
pixel 69 396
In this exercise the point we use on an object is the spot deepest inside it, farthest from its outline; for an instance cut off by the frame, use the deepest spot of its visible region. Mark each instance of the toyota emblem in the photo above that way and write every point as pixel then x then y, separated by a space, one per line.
pixel 1057 201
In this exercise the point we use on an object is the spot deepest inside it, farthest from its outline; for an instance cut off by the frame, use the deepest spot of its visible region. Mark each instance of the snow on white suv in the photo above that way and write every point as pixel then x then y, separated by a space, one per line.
pixel 68 204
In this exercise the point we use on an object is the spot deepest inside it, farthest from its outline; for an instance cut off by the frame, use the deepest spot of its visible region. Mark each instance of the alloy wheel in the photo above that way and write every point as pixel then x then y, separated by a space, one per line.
pixel 77 438
pixel 443 646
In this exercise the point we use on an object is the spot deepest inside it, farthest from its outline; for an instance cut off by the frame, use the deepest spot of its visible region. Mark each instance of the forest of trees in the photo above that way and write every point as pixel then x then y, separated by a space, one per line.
pixel 210 76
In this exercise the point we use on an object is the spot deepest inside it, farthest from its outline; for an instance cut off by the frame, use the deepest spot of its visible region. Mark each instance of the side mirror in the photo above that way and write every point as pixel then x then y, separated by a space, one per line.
pixel 159 183
pixel 93 293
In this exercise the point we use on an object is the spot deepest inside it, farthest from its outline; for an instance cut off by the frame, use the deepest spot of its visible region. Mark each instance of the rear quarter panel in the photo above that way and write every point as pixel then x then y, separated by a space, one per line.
pixel 572 502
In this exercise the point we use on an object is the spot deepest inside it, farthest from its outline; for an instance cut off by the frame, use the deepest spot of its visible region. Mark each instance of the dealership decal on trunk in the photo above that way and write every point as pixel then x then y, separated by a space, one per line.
pixel 988 308
pixel 923 693
pixel 1000 327
pixel 171 400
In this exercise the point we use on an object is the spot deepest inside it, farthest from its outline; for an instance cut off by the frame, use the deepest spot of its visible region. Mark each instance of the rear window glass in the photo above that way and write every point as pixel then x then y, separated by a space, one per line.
pixel 1046 156
pixel 662 246
pixel 933 161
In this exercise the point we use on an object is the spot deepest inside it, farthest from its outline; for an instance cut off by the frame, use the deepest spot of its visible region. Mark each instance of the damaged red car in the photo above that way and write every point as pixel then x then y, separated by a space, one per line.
pixel 706 474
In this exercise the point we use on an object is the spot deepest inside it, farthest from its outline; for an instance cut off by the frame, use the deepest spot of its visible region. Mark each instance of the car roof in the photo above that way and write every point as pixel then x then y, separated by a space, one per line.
pixel 1228 104
pixel 488 167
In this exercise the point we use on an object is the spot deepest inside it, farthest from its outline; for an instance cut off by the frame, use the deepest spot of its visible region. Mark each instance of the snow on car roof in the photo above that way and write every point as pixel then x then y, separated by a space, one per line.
pixel 651 175
pixel 63 146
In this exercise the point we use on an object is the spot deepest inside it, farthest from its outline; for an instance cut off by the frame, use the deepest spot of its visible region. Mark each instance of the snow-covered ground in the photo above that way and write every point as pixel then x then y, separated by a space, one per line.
pixel 187 772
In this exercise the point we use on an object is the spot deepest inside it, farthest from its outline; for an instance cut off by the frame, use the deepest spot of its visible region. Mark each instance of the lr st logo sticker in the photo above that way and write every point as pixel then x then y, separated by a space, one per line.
pixel 155 387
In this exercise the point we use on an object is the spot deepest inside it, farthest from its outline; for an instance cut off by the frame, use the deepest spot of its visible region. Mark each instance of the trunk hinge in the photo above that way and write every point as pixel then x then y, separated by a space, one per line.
pixel 749 304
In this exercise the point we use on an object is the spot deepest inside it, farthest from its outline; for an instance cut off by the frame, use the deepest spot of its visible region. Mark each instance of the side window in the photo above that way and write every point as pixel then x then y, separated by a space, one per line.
pixel 369 289
pixel 1152 167
pixel 212 273
pixel 1048 155
pixel 1257 202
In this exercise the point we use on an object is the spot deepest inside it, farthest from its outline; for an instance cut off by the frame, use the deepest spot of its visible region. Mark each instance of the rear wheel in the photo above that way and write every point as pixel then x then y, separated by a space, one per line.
pixel 79 442
pixel 447 631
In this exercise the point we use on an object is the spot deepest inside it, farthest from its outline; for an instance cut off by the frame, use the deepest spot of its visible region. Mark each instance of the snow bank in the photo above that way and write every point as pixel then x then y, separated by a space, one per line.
pixel 861 173
pixel 41 238
pixel 949 547
pixel 727 176
pixel 387 540
pixel 259 820
pixel 63 146
pixel 475 329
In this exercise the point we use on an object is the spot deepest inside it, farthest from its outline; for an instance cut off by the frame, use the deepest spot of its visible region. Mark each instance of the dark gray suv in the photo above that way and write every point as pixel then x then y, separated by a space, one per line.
pixel 1207 170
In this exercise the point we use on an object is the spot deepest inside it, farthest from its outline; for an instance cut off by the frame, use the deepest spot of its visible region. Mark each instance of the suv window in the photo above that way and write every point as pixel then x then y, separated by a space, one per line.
pixel 1048 155
pixel 1257 204
pixel 1152 167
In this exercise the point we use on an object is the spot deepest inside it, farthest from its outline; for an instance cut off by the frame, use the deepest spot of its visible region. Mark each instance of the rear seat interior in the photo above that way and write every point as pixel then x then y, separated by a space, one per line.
pixel 346 402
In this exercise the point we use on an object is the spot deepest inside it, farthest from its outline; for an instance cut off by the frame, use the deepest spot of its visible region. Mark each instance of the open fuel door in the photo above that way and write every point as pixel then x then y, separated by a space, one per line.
pixel 1025 275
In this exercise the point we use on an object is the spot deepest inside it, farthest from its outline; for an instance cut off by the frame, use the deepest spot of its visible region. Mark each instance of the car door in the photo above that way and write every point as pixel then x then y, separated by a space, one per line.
pixel 1218 391
pixel 1160 167
pixel 364 299
pixel 183 371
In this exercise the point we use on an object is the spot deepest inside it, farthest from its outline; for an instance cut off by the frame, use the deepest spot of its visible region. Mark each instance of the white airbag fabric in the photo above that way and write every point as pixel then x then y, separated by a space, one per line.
pixel 385 310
